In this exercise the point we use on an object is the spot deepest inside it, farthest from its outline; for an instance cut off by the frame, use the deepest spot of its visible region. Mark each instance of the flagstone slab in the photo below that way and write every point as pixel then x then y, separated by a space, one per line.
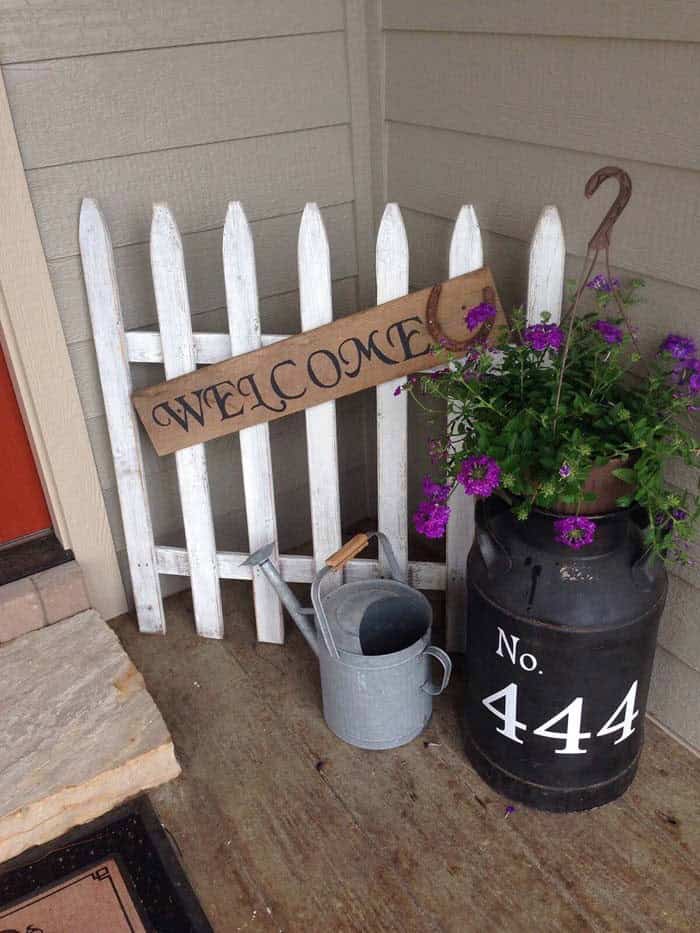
pixel 79 732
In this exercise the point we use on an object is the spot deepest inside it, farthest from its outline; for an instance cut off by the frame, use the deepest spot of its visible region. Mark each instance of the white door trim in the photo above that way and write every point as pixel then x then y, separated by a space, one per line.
pixel 35 348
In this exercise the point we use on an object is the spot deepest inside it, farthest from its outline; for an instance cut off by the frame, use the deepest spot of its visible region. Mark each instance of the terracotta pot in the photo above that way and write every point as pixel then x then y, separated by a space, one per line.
pixel 607 489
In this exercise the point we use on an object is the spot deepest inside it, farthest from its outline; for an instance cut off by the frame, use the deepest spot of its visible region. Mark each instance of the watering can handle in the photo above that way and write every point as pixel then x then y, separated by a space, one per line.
pixel 357 544
pixel 444 659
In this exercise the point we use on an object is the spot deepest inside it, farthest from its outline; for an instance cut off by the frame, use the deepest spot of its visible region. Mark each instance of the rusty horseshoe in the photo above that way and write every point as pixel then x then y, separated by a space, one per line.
pixel 435 330
pixel 601 238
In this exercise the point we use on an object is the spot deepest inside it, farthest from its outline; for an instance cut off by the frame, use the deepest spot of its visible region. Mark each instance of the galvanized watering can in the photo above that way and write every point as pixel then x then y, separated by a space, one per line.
pixel 372 639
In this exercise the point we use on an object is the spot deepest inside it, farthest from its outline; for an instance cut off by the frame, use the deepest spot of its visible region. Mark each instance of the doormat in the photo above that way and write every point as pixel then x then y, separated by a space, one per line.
pixel 119 874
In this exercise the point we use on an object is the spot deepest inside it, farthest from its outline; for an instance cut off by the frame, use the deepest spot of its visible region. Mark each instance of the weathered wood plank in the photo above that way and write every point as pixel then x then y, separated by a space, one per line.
pixel 275 241
pixel 298 569
pixel 272 175
pixel 48 29
pixel 256 455
pixel 59 119
pixel 309 369
pixel 421 814
pixel 115 378
pixel 545 283
pixel 316 305
pixel 521 87
pixel 625 19
pixel 657 234
pixel 392 411
pixel 466 254
pixel 170 288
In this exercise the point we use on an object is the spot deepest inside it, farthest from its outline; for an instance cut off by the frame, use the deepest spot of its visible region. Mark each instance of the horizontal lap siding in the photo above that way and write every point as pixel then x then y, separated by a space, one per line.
pixel 192 105
pixel 513 106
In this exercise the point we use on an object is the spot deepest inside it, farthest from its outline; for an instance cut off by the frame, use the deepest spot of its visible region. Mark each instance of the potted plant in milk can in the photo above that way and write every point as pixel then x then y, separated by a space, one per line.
pixel 562 431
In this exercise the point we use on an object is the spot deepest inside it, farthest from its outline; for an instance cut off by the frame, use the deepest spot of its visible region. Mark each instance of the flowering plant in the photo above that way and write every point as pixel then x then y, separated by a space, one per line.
pixel 531 415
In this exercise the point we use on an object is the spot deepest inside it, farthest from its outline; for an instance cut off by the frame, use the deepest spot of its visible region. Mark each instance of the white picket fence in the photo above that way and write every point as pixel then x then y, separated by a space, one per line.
pixel 180 350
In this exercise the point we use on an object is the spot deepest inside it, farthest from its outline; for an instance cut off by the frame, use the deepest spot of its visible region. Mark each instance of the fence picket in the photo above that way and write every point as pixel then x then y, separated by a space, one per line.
pixel 466 255
pixel 546 268
pixel 256 455
pixel 172 304
pixel 316 306
pixel 392 411
pixel 115 378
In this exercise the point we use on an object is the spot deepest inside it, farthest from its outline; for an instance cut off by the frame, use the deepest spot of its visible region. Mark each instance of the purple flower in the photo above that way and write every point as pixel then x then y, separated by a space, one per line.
pixel 544 336
pixel 565 471
pixel 574 531
pixel 436 450
pixel 680 348
pixel 431 517
pixel 479 475
pixel 439 492
pixel 478 314
pixel 600 284
pixel 609 332
pixel 679 514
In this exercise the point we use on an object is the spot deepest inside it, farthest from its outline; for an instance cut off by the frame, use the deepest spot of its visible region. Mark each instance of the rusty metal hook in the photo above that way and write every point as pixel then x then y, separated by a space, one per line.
pixel 601 238
pixel 435 329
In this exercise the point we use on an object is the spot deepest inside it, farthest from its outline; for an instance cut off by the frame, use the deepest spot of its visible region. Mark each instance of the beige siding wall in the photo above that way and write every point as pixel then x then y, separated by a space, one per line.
pixel 197 104
pixel 513 106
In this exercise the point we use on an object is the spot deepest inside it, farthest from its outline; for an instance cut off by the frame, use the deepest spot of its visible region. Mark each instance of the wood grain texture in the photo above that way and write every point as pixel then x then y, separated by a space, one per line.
pixel 74 110
pixel 392 410
pixel 316 305
pixel 627 19
pixel 466 254
pixel 545 281
pixel 48 29
pixel 272 175
pixel 115 380
pixel 275 242
pixel 170 288
pixel 523 87
pixel 256 453
pixel 657 234
pixel 430 839
pixel 323 363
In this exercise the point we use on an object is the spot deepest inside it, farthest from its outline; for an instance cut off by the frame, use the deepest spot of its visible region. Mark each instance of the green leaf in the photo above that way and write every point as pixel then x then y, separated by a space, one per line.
pixel 626 475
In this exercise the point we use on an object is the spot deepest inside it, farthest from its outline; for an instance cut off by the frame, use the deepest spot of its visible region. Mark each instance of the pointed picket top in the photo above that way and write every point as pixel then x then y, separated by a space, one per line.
pixel 392 410
pixel 466 255
pixel 170 288
pixel 466 249
pixel 173 307
pixel 546 270
pixel 241 281
pixel 314 260
pixel 316 306
pixel 391 255
pixel 256 454
pixel 115 378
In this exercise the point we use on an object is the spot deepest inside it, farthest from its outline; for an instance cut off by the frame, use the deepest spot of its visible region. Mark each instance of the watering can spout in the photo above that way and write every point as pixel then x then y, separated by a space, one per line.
pixel 302 617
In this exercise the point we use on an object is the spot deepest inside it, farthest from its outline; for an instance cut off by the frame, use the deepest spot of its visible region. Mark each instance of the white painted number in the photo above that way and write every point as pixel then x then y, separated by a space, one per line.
pixel 509 695
pixel 630 714
pixel 573 735
pixel 571 713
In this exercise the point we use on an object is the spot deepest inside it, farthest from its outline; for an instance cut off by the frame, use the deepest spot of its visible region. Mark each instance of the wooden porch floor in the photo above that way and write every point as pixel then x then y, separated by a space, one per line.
pixel 283 827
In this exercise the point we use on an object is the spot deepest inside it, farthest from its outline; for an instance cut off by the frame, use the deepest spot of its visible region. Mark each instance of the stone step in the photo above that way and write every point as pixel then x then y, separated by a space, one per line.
pixel 79 732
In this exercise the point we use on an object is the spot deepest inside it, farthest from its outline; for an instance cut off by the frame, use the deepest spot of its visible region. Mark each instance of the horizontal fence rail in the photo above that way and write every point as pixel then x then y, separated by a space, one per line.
pixel 180 350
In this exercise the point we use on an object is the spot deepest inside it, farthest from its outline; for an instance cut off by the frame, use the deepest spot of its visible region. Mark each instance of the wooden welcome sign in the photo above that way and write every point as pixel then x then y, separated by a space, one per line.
pixel 353 353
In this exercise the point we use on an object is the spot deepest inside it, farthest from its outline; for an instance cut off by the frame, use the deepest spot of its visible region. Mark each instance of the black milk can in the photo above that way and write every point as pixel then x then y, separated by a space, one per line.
pixel 560 645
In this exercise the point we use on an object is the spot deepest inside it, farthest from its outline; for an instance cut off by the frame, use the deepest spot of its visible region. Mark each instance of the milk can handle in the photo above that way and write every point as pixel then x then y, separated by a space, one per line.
pixel 444 659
